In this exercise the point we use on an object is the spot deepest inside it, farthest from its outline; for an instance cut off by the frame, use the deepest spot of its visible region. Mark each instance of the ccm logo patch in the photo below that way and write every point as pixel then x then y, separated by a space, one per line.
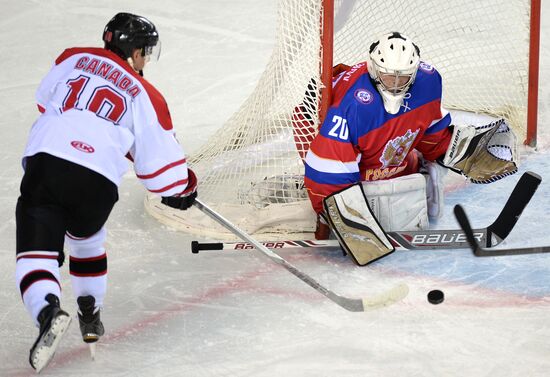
pixel 83 147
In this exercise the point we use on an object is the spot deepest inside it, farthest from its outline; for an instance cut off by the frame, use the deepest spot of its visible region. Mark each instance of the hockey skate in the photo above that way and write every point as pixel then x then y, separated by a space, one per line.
pixel 90 322
pixel 53 324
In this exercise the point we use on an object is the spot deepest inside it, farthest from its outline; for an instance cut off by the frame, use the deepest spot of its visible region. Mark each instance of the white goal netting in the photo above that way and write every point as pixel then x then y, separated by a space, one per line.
pixel 251 169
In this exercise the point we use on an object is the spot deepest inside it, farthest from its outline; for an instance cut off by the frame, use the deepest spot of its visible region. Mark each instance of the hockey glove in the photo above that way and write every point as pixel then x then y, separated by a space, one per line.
pixel 483 154
pixel 185 199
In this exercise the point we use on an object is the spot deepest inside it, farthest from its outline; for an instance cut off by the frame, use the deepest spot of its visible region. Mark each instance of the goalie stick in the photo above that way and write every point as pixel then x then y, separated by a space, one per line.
pixel 354 305
pixel 430 239
pixel 482 252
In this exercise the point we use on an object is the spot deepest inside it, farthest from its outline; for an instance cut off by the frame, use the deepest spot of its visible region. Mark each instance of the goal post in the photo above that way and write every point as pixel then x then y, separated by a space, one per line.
pixel 251 169
pixel 533 86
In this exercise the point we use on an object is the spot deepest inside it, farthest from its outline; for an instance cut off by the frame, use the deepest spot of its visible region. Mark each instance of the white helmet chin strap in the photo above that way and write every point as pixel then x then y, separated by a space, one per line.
pixel 392 102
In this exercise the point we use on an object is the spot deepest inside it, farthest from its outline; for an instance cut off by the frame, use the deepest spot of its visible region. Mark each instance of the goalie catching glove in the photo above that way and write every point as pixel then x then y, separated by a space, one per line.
pixel 484 153
pixel 357 230
pixel 185 199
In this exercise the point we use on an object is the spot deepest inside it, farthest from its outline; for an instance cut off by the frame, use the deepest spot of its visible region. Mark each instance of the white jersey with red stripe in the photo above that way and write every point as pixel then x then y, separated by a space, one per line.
pixel 96 111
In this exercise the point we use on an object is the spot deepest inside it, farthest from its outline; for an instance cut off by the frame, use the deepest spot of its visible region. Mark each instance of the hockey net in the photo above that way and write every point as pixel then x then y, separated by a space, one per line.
pixel 251 170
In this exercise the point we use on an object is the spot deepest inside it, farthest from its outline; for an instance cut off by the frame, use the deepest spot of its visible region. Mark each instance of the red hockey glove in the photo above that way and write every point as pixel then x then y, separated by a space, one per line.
pixel 187 197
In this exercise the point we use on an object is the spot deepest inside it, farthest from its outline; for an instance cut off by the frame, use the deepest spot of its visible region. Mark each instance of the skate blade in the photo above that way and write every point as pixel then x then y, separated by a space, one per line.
pixel 92 350
pixel 91 339
pixel 45 350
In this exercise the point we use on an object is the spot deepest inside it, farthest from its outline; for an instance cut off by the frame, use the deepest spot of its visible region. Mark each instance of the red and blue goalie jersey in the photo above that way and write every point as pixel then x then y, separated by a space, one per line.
pixel 360 141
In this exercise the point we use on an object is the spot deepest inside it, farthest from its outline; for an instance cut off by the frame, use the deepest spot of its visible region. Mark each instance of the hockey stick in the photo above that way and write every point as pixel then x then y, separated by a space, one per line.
pixel 197 246
pixel 429 239
pixel 480 251
pixel 354 305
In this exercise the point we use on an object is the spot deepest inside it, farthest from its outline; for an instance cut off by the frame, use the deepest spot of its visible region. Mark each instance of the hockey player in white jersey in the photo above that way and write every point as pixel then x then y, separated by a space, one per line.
pixel 97 112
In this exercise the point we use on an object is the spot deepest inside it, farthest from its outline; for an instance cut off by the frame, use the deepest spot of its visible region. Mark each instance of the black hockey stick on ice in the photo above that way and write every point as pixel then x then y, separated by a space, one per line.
pixel 481 252
pixel 429 239
pixel 354 305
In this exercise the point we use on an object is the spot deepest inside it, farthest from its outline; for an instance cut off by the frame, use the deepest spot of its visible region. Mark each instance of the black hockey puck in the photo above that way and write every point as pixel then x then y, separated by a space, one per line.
pixel 436 297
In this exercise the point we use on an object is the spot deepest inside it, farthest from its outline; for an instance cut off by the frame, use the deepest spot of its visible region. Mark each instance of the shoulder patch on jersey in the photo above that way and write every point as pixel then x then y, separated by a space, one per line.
pixel 364 96
pixel 426 67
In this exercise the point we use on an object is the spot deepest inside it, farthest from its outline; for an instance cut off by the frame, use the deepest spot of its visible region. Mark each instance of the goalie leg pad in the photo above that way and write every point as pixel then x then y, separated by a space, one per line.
pixel 399 203
pixel 357 230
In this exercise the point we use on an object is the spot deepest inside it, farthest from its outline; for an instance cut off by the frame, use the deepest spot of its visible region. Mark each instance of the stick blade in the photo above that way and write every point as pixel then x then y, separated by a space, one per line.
pixel 390 297
pixel 516 203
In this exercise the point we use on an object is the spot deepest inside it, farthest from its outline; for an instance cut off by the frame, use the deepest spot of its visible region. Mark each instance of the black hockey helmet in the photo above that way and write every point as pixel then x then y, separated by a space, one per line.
pixel 126 32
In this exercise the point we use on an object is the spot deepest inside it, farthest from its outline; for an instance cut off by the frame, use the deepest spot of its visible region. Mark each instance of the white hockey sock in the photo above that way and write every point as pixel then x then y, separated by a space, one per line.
pixel 37 275
pixel 88 266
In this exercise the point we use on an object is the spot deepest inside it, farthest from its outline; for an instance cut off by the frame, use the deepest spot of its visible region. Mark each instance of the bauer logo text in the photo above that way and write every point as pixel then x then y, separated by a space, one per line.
pixel 269 245
pixel 442 239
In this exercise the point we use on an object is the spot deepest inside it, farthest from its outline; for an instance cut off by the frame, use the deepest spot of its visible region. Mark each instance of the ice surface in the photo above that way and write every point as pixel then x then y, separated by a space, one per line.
pixel 171 313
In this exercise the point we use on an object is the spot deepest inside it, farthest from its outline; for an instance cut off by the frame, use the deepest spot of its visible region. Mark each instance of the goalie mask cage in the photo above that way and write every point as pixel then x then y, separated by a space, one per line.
pixel 251 169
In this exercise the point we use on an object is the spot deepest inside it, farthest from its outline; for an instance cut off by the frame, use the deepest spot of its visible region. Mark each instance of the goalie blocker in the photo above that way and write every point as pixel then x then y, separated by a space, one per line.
pixel 355 226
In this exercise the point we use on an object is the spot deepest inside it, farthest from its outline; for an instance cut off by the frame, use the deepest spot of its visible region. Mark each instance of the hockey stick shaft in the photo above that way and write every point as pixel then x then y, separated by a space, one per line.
pixel 196 246
pixel 354 305
pixel 429 239
pixel 413 240
pixel 479 251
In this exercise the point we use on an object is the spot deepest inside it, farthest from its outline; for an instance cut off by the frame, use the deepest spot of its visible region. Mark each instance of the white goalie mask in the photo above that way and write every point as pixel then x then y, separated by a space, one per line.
pixel 393 63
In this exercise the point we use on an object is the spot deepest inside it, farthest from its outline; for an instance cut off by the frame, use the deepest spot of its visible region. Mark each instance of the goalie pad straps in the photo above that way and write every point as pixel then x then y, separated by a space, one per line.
pixel 356 228
pixel 484 153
